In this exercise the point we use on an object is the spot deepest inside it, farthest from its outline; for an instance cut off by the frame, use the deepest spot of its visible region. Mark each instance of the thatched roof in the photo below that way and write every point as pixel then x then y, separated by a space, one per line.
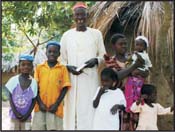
pixel 131 18
pixel 103 14
pixel 153 19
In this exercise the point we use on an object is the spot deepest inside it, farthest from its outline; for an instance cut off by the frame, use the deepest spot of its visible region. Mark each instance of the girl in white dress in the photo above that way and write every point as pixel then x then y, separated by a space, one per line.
pixel 148 109
pixel 108 100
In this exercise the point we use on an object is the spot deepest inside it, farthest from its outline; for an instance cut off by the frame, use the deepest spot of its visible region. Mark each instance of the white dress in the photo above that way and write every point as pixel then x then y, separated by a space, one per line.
pixel 146 58
pixel 77 48
pixel 148 115
pixel 103 119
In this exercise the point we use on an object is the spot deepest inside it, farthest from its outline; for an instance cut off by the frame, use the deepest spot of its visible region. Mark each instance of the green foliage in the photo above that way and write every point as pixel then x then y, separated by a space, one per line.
pixel 33 20
pixel 5 94
pixel 30 17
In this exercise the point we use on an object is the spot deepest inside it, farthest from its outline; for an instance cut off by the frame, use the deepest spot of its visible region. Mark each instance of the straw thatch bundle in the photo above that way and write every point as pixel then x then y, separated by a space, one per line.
pixel 151 19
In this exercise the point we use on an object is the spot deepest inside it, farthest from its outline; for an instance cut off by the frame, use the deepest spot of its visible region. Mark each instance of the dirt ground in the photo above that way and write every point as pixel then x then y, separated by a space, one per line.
pixel 5 116
pixel 6 119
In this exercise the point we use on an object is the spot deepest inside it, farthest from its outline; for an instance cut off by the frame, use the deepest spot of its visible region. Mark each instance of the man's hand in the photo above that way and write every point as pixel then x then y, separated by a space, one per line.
pixel 72 69
pixel 91 63
pixel 53 108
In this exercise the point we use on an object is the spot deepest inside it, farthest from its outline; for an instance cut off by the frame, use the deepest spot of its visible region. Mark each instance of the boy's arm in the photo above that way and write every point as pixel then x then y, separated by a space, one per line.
pixel 26 116
pixel 97 99
pixel 17 114
pixel 53 108
pixel 42 106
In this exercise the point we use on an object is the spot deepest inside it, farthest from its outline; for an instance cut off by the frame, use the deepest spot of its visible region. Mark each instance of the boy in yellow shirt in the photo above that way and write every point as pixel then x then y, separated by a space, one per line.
pixel 53 84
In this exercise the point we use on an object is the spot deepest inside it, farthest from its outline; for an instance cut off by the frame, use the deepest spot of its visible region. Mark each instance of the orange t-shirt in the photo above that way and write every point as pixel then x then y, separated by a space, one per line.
pixel 50 82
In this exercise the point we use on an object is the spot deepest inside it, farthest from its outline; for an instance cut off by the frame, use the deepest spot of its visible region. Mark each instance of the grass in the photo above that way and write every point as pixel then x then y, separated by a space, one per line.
pixel 4 94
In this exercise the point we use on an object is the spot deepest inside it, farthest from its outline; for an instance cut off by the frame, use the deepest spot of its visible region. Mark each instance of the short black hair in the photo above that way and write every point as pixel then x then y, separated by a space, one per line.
pixel 25 60
pixel 108 72
pixel 148 89
pixel 58 47
pixel 116 37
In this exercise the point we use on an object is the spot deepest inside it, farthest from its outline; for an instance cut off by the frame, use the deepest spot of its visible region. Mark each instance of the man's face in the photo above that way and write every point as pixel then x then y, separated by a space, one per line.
pixel 80 16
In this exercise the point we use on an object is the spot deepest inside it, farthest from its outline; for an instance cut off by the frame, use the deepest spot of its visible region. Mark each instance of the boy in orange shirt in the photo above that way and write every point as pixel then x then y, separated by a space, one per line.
pixel 53 84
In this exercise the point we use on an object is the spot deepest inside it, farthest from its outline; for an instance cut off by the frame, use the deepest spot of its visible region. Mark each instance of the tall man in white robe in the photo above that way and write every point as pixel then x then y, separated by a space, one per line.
pixel 78 46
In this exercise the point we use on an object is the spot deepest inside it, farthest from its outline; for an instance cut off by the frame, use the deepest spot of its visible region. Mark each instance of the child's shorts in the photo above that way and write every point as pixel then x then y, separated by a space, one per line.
pixel 46 121
pixel 17 125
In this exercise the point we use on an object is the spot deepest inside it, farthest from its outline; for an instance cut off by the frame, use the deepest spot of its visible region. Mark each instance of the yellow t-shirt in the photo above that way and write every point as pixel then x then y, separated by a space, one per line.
pixel 50 82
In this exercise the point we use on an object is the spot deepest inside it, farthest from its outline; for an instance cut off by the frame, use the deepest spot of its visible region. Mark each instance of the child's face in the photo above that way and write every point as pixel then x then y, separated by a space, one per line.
pixel 139 46
pixel 52 53
pixel 153 97
pixel 120 46
pixel 107 82
pixel 25 66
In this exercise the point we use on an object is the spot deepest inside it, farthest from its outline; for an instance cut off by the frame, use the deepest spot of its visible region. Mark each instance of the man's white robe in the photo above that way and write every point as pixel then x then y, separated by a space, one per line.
pixel 76 48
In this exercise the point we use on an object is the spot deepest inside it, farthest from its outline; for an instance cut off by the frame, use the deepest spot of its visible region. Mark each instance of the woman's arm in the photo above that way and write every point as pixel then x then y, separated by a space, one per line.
pixel 42 106
pixel 141 73
pixel 125 72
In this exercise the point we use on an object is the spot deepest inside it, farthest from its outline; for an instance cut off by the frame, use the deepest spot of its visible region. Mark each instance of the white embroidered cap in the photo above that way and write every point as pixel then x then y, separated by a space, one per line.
pixel 144 39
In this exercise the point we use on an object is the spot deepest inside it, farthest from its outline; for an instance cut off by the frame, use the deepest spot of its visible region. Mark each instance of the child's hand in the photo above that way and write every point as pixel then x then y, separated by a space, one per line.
pixel 144 96
pixel 172 108
pixel 136 72
pixel 140 62
pixel 114 109
pixel 23 119
pixel 19 116
pixel 53 108
pixel 42 107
